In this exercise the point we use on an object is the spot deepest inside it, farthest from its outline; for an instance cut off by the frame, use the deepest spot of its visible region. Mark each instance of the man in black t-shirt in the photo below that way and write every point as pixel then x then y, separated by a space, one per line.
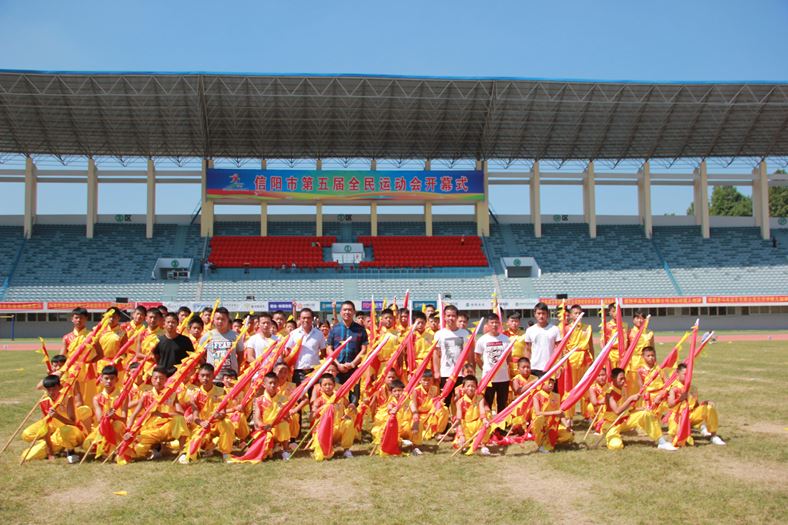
pixel 172 347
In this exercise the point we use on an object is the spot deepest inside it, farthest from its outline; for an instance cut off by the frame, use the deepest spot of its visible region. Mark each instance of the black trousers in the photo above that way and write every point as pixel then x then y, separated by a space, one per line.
pixel 499 391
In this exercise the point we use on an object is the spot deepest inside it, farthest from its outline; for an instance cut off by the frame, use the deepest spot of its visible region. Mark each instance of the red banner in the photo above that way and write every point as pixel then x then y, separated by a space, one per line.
pixel 746 299
pixel 19 307
pixel 582 301
pixel 90 305
pixel 649 301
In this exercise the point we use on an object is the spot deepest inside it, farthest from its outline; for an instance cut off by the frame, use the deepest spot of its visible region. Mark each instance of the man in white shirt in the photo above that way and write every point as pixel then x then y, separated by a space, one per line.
pixel 261 341
pixel 540 340
pixel 451 340
pixel 313 343
pixel 489 350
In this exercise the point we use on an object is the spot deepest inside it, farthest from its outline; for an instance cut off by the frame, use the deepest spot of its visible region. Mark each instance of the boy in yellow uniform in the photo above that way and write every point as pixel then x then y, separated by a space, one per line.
pixel 165 425
pixel 266 408
pixel 703 415
pixel 580 338
pixel 422 340
pixel 596 400
pixel 610 329
pixel 344 417
pixel 387 327
pixel 521 416
pixel 62 433
pixel 650 373
pixel 111 340
pixel 548 424
pixel 104 405
pixel 472 410
pixel 426 420
pixel 407 424
pixel 646 340
pixel 137 320
pixel 286 388
pixel 85 388
pixel 203 401
pixel 619 418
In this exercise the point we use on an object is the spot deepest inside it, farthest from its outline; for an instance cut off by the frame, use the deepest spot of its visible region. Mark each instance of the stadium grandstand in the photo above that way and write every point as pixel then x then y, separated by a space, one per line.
pixel 373 142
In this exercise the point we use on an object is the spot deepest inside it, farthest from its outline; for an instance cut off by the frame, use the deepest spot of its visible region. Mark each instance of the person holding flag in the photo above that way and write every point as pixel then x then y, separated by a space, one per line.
pixel 309 343
pixel 540 340
pixel 450 341
pixel 489 350
pixel 703 415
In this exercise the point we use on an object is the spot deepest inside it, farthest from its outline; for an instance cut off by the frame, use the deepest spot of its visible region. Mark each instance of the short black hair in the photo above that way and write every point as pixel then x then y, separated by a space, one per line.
pixel 207 366
pixel 162 370
pixel 327 376
pixel 493 317
pixel 81 311
pixel 515 315
pixel 351 303
pixel 387 311
pixel 171 315
pixel 109 370
pixel 184 310
pixel 156 312
pixel 452 308
pixel 523 360
pixel 231 373
pixel 50 381
pixel 615 372
pixel 141 309
pixel 648 349
pixel 271 375
pixel 196 320
pixel 427 373
pixel 207 309
pixel 419 315
pixel 541 306
pixel 397 384
pixel 222 310
pixel 470 378
pixel 682 366
pixel 59 358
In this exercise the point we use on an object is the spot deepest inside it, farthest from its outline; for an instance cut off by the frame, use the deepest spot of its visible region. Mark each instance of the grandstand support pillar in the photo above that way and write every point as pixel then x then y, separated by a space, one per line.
pixel 263 164
pixel 319 219
pixel 589 199
pixel 536 205
pixel 702 200
pixel 92 214
pixel 644 190
pixel 263 219
pixel 30 197
pixel 150 211
pixel 373 206
pixel 373 219
pixel 428 219
pixel 483 207
pixel 206 214
pixel 760 201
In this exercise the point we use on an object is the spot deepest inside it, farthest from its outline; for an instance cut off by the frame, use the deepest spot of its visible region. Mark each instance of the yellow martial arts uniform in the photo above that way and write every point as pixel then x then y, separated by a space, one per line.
pixel 430 419
pixel 470 419
pixel 655 379
pixel 268 408
pixel 106 401
pixel 167 428
pixel 548 431
pixel 641 419
pixel 344 428
pixel 222 433
pixel 700 413
pixel 61 436
pixel 87 373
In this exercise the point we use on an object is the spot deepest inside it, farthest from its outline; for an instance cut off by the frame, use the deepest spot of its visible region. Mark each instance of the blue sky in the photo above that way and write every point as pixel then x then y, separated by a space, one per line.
pixel 659 41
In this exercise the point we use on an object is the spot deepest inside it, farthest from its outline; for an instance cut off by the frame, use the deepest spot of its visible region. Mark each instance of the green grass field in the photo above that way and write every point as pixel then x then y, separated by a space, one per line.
pixel 744 482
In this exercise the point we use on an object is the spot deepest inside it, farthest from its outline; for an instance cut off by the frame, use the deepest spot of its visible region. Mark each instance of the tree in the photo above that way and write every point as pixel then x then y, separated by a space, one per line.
pixel 778 199
pixel 726 201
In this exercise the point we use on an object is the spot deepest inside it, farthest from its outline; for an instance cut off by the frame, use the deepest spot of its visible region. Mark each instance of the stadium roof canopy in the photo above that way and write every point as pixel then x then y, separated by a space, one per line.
pixel 377 116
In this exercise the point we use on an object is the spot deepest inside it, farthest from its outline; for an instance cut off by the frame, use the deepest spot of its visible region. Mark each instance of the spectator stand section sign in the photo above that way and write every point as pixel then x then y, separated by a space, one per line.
pixel 318 185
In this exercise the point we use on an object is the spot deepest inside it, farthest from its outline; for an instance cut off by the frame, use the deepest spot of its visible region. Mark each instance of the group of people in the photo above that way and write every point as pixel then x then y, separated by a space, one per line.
pixel 194 384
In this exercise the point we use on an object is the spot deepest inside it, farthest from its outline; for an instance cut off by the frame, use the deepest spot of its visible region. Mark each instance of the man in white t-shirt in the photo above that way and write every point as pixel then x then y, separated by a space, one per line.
pixel 489 350
pixel 451 339
pixel 313 343
pixel 540 340
pixel 262 340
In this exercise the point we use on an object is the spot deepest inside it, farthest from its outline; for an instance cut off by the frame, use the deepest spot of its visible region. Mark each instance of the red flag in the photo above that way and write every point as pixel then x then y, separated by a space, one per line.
pixel 624 358
pixel 684 429
pixel 389 441
pixel 622 342
pixel 494 370
pixel 673 355
pixel 589 377
pixel 455 373
pixel 325 431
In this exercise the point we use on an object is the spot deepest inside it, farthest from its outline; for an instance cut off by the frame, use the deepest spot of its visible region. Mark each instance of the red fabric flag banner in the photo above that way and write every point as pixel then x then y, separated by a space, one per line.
pixel 623 359
pixel 589 377
pixel 455 373
pixel 684 428
pixel 562 344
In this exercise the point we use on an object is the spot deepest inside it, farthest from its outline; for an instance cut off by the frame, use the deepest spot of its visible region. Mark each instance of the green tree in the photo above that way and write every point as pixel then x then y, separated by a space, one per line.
pixel 778 199
pixel 726 201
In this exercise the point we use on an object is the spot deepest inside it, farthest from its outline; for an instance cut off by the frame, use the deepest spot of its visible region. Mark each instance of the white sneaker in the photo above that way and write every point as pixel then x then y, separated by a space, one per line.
pixel 484 451
pixel 347 454
pixel 542 450
pixel 183 459
pixel 286 455
pixel 717 440
pixel 407 443
pixel 154 454
pixel 74 458
pixel 704 432
pixel 667 446
pixel 417 452
pixel 225 457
